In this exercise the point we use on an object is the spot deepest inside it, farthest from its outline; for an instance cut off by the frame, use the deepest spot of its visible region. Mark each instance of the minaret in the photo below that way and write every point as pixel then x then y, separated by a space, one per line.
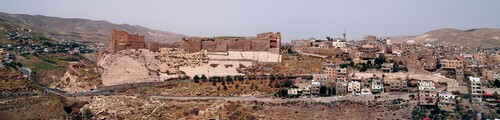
pixel 344 35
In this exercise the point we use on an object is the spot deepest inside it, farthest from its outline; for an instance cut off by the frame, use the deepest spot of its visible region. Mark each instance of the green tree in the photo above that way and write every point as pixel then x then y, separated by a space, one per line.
pixel 363 67
pixel 283 93
pixel 322 91
pixel 331 91
pixel 196 79
pixel 369 64
pixel 203 77
pixel 417 113
pixel 272 78
pixel 241 77
pixel 351 64
pixel 288 83
pixel 214 83
pixel 229 79
pixel 379 60
pixel 343 65
pixel 496 83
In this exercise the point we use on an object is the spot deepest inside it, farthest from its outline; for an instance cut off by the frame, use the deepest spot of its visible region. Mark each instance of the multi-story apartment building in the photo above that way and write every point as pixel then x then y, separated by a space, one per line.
pixel 330 70
pixel 427 94
pixel 339 43
pixel 396 85
pixel 447 101
pixel 377 86
pixel 354 87
pixel 322 78
pixel 387 67
pixel 368 52
pixel 451 64
pixel 475 88
pixel 341 88
pixel 342 74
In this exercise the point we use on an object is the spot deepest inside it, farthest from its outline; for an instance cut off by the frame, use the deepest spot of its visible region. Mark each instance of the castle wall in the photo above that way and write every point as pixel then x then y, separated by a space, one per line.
pixel 192 44
pixel 121 40
pixel 239 45
pixel 269 42
pixel 260 45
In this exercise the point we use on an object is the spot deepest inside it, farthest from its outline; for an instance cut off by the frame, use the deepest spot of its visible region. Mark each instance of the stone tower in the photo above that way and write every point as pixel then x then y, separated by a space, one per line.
pixel 121 40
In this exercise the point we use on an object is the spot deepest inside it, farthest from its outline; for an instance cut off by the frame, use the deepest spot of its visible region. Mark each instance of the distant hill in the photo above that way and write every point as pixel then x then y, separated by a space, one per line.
pixel 84 29
pixel 399 39
pixel 482 37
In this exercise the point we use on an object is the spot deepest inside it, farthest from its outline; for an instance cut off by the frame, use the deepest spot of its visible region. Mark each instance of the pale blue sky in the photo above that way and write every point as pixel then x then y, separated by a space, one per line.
pixel 294 18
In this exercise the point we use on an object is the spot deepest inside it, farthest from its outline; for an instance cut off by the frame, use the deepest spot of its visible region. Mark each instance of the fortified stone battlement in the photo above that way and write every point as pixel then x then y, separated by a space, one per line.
pixel 121 40
pixel 268 41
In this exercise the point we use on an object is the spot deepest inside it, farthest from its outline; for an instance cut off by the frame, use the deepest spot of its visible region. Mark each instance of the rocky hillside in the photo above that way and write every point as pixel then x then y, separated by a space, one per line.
pixel 83 29
pixel 483 37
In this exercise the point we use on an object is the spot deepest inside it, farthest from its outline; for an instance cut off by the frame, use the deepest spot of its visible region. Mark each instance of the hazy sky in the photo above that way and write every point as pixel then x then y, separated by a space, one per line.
pixel 293 18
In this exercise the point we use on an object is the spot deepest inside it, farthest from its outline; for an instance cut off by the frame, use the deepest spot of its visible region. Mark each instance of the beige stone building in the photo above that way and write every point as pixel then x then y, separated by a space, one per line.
pixel 451 64
pixel 396 84
pixel 330 70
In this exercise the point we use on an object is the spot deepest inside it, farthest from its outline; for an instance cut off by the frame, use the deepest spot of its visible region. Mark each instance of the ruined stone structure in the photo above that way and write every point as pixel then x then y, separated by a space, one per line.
pixel 121 40
pixel 269 42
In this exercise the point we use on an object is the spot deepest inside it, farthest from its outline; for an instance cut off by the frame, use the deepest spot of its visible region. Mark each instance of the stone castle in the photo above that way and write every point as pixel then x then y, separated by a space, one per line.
pixel 264 42
pixel 269 42
pixel 121 40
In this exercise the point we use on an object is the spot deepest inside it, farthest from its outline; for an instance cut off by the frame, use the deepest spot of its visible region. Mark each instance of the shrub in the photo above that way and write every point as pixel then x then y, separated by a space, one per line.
pixel 196 79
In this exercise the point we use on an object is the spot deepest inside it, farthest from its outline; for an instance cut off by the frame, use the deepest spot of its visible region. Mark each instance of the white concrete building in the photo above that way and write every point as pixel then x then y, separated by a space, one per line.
pixel 293 91
pixel 426 85
pixel 339 44
pixel 377 86
pixel 354 87
pixel 315 83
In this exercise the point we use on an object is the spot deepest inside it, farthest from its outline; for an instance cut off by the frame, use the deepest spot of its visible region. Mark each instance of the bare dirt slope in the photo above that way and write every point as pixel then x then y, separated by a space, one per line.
pixel 482 37
pixel 84 29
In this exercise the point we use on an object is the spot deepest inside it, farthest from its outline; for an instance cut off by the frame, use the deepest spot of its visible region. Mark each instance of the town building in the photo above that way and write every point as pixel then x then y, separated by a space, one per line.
pixel 368 52
pixel 294 91
pixel 339 43
pixel 330 70
pixel 451 64
pixel 377 86
pixel 396 85
pixel 322 78
pixel 354 87
pixel 475 88
pixel 427 93
pixel 341 88
pixel 447 101
pixel 342 74
pixel 387 67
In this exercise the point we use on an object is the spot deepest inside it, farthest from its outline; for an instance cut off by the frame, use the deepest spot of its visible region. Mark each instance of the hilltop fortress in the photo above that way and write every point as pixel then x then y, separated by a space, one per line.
pixel 129 59
pixel 268 41
pixel 264 42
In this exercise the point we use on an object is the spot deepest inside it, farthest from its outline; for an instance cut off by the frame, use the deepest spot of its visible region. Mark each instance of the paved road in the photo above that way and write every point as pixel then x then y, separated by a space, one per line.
pixel 319 99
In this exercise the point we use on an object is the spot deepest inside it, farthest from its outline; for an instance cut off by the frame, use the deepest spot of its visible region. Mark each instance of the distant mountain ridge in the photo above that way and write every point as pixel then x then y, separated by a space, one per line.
pixel 480 37
pixel 84 29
